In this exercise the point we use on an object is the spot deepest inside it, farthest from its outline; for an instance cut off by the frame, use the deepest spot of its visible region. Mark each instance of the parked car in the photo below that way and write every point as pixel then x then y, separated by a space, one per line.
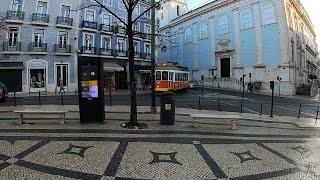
pixel 3 92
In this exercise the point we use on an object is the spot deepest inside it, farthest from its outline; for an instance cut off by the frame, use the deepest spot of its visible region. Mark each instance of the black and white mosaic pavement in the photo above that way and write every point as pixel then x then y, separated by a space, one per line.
pixel 90 155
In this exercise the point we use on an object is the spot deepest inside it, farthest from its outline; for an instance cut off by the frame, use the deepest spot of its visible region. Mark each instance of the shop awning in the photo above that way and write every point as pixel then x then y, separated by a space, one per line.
pixel 11 65
pixel 112 67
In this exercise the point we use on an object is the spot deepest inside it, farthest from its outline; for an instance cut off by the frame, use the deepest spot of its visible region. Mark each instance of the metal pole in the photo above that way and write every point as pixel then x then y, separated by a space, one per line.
pixel 241 107
pixel 14 97
pixel 219 106
pixel 271 113
pixel 317 114
pixel 299 111
pixel 110 97
pixel 39 98
pixel 243 85
pixel 61 96
pixel 199 104
pixel 153 55
pixel 279 88
pixel 202 89
pixel 261 109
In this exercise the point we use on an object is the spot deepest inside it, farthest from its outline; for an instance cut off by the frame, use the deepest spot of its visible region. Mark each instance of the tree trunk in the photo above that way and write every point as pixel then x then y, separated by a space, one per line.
pixel 133 112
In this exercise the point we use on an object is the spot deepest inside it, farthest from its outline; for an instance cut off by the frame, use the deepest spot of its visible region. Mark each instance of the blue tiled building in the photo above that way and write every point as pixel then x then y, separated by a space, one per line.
pixel 37 49
pixel 43 41
pixel 226 39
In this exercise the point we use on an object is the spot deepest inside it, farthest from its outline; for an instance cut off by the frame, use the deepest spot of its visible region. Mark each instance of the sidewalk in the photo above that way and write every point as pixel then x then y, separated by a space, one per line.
pixel 117 92
pixel 6 113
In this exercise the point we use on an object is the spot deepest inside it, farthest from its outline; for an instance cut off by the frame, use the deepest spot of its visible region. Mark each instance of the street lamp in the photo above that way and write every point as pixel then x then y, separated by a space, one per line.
pixel 243 76
pixel 279 79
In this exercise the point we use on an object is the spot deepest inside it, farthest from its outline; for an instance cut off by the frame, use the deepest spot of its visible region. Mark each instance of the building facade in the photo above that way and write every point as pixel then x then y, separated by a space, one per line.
pixel 103 36
pixel 37 48
pixel 43 40
pixel 266 40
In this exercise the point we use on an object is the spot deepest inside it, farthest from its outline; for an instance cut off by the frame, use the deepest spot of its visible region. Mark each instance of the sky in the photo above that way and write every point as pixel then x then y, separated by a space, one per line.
pixel 312 6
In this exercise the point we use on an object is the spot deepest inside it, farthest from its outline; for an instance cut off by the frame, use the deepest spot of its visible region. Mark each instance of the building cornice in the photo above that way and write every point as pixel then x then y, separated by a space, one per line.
pixel 303 14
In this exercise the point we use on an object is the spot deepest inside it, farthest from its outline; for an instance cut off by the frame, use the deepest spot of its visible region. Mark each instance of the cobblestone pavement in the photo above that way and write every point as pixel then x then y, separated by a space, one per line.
pixel 106 151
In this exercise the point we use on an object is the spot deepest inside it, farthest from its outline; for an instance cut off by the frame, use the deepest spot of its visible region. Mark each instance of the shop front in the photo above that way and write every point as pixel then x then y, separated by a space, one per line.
pixel 11 75
pixel 114 76
pixel 143 77
pixel 37 75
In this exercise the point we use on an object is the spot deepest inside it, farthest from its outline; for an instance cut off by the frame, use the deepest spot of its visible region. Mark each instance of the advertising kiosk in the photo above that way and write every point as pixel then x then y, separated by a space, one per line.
pixel 91 94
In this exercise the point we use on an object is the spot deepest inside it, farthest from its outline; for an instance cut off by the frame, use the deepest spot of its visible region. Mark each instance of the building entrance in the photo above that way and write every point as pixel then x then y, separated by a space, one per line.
pixel 225 67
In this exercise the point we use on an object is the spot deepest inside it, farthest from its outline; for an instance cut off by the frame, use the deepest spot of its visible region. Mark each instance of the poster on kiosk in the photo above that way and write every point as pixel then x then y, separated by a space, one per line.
pixel 91 95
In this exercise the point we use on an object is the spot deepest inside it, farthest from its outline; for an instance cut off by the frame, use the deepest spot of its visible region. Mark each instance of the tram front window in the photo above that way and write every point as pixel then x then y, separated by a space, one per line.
pixel 165 75
pixel 158 75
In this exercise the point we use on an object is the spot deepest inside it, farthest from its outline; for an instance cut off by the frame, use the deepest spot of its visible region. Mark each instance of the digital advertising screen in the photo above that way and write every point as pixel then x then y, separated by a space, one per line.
pixel 89 89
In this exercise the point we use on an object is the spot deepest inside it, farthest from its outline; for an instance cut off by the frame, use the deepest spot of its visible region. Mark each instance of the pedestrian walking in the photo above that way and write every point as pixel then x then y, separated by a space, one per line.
pixel 61 85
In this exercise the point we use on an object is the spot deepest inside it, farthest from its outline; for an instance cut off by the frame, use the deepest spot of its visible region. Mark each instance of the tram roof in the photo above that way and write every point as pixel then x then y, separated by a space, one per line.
pixel 170 66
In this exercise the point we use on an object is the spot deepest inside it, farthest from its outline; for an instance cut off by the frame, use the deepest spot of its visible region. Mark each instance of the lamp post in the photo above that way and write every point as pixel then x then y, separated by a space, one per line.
pixel 243 76
pixel 279 79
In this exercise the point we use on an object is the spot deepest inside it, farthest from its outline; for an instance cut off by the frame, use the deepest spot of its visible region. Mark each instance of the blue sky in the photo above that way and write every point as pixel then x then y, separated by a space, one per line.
pixel 312 6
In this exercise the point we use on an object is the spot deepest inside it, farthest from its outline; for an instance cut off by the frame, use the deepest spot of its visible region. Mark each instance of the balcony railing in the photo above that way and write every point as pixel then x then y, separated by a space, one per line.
pixel 43 18
pixel 120 53
pixel 11 46
pixel 64 21
pixel 146 56
pixel 15 15
pixel 38 47
pixel 58 48
pixel 89 24
pixel 88 50
pixel 144 36
pixel 106 28
pixel 105 52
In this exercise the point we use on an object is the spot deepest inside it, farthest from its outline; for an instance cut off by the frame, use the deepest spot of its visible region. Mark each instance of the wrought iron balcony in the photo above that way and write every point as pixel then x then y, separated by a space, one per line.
pixel 38 47
pixel 105 52
pixel 15 15
pixel 89 24
pixel 9 46
pixel 88 50
pixel 42 18
pixel 62 49
pixel 120 53
pixel 64 21
pixel 106 28
pixel 146 56
pixel 145 36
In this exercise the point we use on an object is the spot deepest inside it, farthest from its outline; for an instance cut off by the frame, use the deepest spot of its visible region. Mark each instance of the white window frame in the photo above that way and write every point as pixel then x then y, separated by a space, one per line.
pixel 46 1
pixel 145 28
pixel 58 36
pixel 110 18
pixel 18 36
pixel 125 43
pixel 138 25
pixel 103 43
pixel 84 39
pixel 145 48
pixel 137 9
pixel 246 11
pixel 268 18
pixel 221 23
pixel 94 15
pixel 106 4
pixel 22 5
pixel 203 27
pixel 44 34
pixel 188 35
pixel 60 14
pixel 138 46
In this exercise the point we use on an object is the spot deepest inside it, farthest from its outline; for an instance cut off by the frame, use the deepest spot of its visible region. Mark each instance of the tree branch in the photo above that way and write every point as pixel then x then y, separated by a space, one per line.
pixel 148 9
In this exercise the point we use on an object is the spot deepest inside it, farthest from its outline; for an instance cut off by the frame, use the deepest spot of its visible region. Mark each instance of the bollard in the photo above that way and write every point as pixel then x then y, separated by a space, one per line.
pixel 260 109
pixel 219 106
pixel 317 114
pixel 39 100
pixel 61 97
pixel 299 111
pixel 14 98
pixel 110 98
pixel 199 104
pixel 233 125
pixel 241 107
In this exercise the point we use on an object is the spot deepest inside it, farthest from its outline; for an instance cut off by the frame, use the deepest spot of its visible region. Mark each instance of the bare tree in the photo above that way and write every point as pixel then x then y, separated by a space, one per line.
pixel 130 6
